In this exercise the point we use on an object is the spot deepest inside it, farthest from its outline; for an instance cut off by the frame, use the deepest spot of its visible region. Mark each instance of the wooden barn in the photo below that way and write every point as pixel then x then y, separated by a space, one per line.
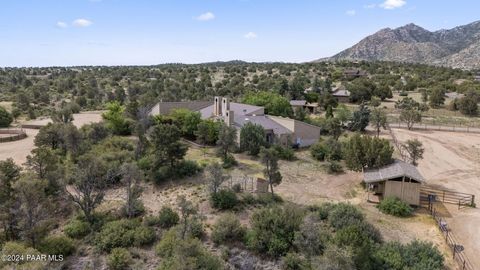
pixel 399 179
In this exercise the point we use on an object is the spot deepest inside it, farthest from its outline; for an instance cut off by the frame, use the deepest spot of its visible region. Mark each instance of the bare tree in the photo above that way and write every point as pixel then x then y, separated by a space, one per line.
pixel 215 177
pixel 130 178
pixel 33 207
pixel 187 209
pixel 87 192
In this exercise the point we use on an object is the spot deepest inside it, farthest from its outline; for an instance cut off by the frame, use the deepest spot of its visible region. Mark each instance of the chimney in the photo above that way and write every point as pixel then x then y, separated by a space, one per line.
pixel 217 106
pixel 229 118
pixel 225 106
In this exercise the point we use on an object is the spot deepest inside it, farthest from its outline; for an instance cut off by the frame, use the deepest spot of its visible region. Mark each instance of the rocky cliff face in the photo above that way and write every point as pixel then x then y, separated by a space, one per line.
pixel 458 47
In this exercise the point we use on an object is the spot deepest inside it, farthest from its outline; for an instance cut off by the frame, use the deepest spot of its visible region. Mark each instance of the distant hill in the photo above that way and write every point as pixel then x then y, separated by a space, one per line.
pixel 458 47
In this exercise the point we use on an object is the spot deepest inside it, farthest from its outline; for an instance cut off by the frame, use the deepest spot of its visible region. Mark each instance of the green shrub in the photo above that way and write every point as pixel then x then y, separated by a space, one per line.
pixel 167 217
pixel 187 168
pixel 5 118
pixel 119 259
pixel 395 207
pixel 415 255
pixel 165 247
pixel 195 228
pixel 124 233
pixel 284 153
pixel 143 236
pixel 268 199
pixel 224 199
pixel 229 161
pixel 334 167
pixel 57 245
pixel 273 229
pixel 227 229
pixel 76 228
pixel 343 215
pixel 319 151
pixel 293 261
pixel 237 188
pixel 190 254
pixel 16 248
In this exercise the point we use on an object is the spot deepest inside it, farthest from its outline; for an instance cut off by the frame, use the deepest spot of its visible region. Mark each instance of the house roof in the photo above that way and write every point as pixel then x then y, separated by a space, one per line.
pixel 298 102
pixel 341 93
pixel 395 170
pixel 237 108
pixel 454 95
pixel 264 121
pixel 354 72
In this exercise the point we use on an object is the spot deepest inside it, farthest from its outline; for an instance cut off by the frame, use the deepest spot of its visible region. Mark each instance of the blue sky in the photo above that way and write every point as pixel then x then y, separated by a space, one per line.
pixel 141 32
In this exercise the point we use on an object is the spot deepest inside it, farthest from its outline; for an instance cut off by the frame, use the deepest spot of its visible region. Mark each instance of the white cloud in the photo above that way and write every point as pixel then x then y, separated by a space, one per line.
pixel 370 6
pixel 62 24
pixel 82 23
pixel 207 16
pixel 351 12
pixel 393 4
pixel 250 35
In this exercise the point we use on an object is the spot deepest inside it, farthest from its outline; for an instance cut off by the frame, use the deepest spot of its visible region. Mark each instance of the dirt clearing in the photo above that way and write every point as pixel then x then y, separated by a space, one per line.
pixel 19 150
pixel 451 161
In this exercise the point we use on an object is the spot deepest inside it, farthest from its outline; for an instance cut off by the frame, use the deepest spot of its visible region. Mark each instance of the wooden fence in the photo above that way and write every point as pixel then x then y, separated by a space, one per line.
pixel 452 241
pixel 431 194
pixel 14 135
pixel 437 127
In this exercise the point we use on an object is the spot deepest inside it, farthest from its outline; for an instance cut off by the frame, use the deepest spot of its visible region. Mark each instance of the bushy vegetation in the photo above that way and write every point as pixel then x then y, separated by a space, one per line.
pixel 119 259
pixel 366 152
pixel 395 207
pixel 57 245
pixel 77 228
pixel 273 229
pixel 224 199
pixel 187 253
pixel 227 229
pixel 124 233
pixel 167 217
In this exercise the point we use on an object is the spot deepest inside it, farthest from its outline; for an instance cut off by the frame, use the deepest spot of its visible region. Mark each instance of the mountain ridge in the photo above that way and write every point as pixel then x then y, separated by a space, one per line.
pixel 458 47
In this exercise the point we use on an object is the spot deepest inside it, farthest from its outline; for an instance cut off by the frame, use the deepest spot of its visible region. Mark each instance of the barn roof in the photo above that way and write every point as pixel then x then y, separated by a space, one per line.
pixel 395 170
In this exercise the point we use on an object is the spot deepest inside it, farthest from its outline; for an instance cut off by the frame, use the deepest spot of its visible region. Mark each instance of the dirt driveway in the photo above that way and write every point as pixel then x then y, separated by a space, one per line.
pixel 452 161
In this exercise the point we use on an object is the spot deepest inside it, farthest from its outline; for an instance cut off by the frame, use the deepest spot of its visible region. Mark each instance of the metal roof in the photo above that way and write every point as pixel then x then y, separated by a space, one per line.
pixel 298 102
pixel 237 108
pixel 395 170
pixel 264 121
pixel 341 93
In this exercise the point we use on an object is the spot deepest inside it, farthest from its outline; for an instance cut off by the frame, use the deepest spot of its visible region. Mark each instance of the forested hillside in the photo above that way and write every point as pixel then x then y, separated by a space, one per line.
pixel 36 91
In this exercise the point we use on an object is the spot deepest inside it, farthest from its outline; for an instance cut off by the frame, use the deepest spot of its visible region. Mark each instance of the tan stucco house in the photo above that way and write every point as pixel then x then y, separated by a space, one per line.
pixel 282 130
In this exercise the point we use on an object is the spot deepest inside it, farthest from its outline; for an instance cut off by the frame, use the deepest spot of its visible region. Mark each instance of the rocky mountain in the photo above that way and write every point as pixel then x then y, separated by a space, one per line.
pixel 458 47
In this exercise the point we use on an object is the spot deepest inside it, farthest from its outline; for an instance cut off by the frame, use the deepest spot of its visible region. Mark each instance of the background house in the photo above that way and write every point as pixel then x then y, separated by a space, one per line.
pixel 303 104
pixel 341 95
pixel 399 179
pixel 279 130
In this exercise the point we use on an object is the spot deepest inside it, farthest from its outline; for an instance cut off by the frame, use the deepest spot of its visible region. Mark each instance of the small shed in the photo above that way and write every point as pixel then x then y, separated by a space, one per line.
pixel 399 179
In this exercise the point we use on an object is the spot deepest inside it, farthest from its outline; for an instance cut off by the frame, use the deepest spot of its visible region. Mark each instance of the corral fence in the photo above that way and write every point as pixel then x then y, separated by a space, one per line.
pixel 12 135
pixel 430 195
pixel 437 127
pixel 452 241
pixel 247 183
pixel 33 126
